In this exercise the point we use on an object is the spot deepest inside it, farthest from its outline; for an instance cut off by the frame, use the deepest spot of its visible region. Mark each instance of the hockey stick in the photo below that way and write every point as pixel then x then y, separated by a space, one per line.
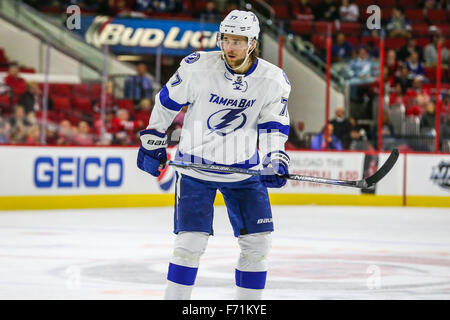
pixel 362 184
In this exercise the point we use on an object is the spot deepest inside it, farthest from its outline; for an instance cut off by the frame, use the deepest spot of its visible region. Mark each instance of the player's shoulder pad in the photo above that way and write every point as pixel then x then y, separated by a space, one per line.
pixel 275 73
pixel 200 60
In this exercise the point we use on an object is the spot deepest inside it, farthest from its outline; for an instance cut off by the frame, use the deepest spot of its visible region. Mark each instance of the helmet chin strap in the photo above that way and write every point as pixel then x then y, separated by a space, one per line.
pixel 242 64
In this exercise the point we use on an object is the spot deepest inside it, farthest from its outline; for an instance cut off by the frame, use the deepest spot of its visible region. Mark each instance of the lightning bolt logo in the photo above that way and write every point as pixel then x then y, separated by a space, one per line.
pixel 225 119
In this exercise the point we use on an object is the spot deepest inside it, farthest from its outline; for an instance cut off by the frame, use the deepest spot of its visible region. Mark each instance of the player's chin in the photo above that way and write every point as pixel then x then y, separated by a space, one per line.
pixel 234 61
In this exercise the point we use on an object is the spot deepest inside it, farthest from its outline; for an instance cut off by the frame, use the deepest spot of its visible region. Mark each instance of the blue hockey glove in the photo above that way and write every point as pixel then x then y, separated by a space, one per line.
pixel 275 165
pixel 152 153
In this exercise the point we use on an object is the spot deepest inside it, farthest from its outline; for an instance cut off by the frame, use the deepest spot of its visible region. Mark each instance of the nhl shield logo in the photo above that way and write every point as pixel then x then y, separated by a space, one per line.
pixel 239 85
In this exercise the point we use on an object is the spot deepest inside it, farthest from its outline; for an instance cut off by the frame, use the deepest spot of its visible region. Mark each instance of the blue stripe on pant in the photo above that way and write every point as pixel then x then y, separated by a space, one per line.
pixel 181 274
pixel 251 280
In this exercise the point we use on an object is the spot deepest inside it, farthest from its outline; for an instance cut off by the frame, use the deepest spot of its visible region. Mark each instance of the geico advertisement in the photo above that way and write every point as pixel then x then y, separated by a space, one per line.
pixel 432 178
pixel 144 36
pixel 76 172
pixel 73 170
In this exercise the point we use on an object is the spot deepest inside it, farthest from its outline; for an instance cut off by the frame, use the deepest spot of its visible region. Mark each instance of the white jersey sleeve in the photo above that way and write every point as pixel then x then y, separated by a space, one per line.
pixel 174 95
pixel 273 120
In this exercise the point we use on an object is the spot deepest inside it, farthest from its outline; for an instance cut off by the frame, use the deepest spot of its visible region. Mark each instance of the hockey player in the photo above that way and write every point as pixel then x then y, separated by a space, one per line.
pixel 234 99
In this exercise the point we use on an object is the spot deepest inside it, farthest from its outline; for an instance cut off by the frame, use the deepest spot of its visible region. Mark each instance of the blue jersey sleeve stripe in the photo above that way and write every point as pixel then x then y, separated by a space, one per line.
pixel 152 131
pixel 273 125
pixel 169 103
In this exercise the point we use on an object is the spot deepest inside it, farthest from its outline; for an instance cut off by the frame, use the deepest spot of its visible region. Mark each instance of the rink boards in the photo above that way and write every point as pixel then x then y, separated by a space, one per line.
pixel 102 177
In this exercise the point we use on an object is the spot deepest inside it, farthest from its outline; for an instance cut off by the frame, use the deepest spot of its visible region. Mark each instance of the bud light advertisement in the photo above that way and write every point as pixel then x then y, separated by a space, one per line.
pixel 145 36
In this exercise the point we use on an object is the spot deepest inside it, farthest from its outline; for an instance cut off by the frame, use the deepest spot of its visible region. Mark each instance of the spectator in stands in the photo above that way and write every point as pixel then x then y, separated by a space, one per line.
pixel 109 115
pixel 123 128
pixel 144 110
pixel 110 100
pixel 144 6
pixel 51 134
pixel 342 127
pixel 361 66
pixel 107 137
pixel 392 65
pixel 428 119
pixel 444 5
pixel 417 88
pixel 372 44
pixel 359 140
pixel 33 136
pixel 230 6
pixel 32 98
pixel 120 8
pixel 398 25
pixel 403 78
pixel 417 97
pixel 430 52
pixel 150 6
pixel 210 13
pixel 139 86
pixel 348 11
pixel 303 10
pixel 83 135
pixel 16 83
pixel 397 96
pixel 104 8
pixel 295 140
pixel 326 10
pixel 19 125
pixel 342 50
pixel 4 131
pixel 31 118
pixel 411 45
pixel 4 89
pixel 445 130
pixel 19 117
pixel 417 106
pixel 179 6
pixel 65 133
pixel 414 65
pixel 387 129
pixel 445 103
pixel 167 5
pixel 105 140
pixel 429 4
pixel 360 70
pixel 318 140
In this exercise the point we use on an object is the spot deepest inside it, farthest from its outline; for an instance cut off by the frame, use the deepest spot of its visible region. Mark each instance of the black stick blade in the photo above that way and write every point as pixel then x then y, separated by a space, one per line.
pixel 384 170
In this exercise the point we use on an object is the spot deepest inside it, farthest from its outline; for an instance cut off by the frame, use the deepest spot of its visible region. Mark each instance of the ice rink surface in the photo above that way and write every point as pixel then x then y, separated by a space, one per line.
pixel 318 252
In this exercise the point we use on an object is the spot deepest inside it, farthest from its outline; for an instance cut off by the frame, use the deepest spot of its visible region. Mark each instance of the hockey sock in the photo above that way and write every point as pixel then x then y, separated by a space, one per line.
pixel 188 248
pixel 251 271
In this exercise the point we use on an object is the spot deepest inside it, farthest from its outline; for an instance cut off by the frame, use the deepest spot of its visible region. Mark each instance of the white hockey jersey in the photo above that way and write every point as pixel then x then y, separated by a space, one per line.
pixel 226 113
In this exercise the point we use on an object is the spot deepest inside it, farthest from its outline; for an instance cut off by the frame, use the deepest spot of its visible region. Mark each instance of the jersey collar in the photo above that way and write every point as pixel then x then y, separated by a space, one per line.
pixel 250 71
